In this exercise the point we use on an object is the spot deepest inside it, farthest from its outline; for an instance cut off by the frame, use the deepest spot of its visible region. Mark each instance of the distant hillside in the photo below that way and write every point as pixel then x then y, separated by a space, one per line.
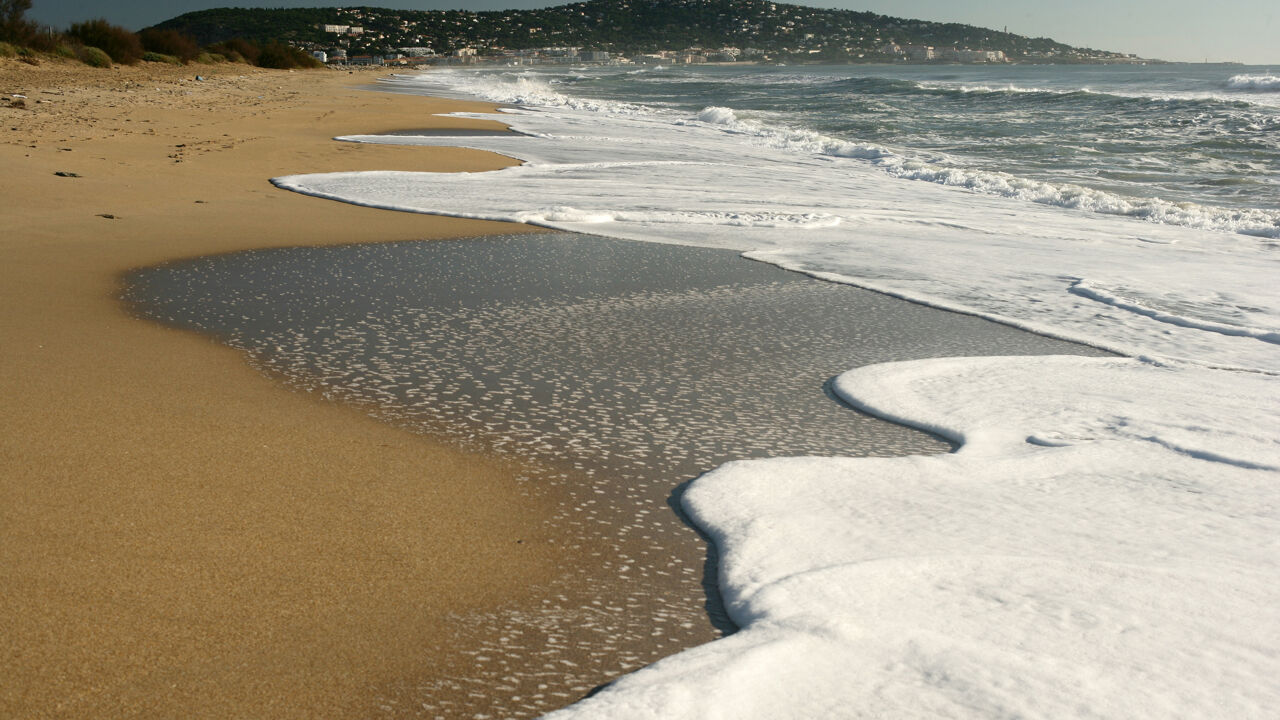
pixel 620 27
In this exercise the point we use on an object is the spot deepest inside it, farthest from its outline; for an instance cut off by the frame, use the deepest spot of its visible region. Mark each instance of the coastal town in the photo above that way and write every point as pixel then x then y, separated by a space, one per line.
pixel 408 56
pixel 674 32
pixel 890 51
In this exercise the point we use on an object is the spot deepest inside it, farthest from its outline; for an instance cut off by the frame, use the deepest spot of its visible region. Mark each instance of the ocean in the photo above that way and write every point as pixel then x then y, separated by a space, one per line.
pixel 1123 136
pixel 1103 542
pixel 1196 145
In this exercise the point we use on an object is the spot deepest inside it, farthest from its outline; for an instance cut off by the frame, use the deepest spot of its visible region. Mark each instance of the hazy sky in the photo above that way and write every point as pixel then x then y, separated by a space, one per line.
pixel 1194 30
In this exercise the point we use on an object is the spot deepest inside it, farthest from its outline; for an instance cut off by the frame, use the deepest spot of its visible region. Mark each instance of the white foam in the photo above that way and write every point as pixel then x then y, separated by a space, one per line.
pixel 1078 557
pixel 1153 95
pixel 1263 223
pixel 906 165
pixel 1265 83
pixel 655 180
pixel 1103 544
pixel 718 116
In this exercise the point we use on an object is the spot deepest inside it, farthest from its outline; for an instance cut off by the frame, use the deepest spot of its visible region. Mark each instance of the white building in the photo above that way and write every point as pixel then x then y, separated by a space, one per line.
pixel 973 56
pixel 919 52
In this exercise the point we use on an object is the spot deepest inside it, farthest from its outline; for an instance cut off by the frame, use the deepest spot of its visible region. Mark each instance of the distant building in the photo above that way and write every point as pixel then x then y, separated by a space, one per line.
pixel 320 55
pixel 919 52
pixel 564 53
pixel 594 56
pixel 340 29
pixel 972 56
pixel 415 61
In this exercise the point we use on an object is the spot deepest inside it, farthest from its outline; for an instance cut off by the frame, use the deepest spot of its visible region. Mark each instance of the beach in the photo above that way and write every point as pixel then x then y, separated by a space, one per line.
pixel 438 480
pixel 178 535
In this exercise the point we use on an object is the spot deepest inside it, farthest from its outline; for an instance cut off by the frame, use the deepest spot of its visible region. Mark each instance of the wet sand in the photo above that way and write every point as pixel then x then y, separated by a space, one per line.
pixel 615 371
pixel 178 535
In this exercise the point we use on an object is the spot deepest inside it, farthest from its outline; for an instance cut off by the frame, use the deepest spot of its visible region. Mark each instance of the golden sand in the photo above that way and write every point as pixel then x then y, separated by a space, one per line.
pixel 180 536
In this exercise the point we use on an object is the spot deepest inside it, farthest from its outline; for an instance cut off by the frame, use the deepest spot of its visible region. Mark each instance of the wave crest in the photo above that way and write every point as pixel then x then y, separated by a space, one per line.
pixel 529 89
pixel 718 116
pixel 1259 223
pixel 1265 83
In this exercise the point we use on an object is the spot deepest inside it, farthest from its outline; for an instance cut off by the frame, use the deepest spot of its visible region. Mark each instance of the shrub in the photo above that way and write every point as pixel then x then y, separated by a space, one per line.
pixel 170 42
pixel 43 39
pixel 160 58
pixel 13 27
pixel 238 50
pixel 209 58
pixel 284 57
pixel 65 50
pixel 7 50
pixel 93 57
pixel 121 45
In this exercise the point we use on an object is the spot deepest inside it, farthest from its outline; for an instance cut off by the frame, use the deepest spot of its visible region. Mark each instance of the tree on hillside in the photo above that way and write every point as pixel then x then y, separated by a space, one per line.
pixel 13 28
pixel 170 42
pixel 123 46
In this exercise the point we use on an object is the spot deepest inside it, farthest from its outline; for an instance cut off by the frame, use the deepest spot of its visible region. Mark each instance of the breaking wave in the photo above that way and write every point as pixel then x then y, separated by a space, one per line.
pixel 1265 83
pixel 1260 223
pixel 532 89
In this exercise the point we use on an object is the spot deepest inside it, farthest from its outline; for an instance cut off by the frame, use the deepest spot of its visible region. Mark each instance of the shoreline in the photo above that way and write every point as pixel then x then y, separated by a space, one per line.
pixel 464 328
pixel 180 535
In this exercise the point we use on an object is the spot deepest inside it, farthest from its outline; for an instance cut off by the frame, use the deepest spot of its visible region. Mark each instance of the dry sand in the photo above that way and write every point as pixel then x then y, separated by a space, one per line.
pixel 179 536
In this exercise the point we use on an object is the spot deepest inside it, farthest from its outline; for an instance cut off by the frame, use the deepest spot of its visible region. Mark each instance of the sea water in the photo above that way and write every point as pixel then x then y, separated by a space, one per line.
pixel 1185 143
pixel 1103 543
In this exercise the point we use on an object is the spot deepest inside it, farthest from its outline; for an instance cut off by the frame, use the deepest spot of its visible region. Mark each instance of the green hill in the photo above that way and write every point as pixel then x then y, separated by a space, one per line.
pixel 620 27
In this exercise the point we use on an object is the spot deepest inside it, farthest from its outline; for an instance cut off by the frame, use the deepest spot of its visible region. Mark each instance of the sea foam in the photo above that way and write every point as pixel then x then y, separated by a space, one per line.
pixel 528 89
pixel 1043 570
pixel 1264 83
